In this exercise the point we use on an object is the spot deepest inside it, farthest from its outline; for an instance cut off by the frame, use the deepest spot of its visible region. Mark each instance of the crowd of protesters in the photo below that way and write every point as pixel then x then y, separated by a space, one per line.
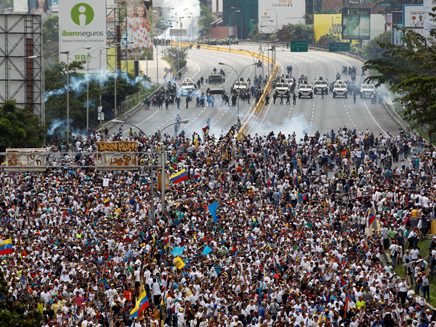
pixel 290 244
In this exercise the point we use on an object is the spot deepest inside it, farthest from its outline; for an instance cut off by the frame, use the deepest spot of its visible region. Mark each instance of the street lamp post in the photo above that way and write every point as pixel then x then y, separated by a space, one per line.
pixel 238 123
pixel 151 212
pixel 276 16
pixel 9 75
pixel 68 90
pixel 87 83
pixel 163 161
pixel 239 10
pixel 273 49
pixel 230 19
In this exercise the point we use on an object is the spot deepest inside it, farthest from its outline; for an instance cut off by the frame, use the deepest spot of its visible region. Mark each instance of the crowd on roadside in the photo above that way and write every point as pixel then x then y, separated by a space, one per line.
pixel 289 245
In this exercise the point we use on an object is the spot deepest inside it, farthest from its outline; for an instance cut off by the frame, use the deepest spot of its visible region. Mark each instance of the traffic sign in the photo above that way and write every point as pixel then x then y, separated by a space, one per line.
pixel 299 46
pixel 178 32
pixel 339 46
pixel 385 5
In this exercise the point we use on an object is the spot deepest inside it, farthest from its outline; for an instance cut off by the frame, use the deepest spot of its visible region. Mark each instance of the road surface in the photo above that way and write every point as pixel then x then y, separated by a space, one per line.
pixel 307 116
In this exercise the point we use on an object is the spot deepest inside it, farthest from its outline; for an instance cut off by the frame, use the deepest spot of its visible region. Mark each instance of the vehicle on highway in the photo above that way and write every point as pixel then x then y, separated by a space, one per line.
pixel 340 89
pixel 282 88
pixel 305 89
pixel 187 87
pixel 216 83
pixel 366 91
pixel 290 81
pixel 321 84
pixel 241 85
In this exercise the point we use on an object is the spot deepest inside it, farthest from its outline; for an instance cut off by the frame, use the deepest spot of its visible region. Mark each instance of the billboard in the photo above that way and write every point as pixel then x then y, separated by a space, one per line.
pixel 413 16
pixel 356 23
pixel 34 7
pixel 40 7
pixel 120 155
pixel 136 28
pixel 278 13
pixel 26 159
pixel 327 24
pixel 83 23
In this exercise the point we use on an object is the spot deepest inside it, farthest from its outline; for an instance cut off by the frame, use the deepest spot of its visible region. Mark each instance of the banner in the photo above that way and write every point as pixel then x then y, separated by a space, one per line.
pixel 327 24
pixel 413 16
pixel 278 13
pixel 26 159
pixel 120 155
pixel 137 26
pixel 356 23
pixel 82 23
pixel 179 263
pixel 40 7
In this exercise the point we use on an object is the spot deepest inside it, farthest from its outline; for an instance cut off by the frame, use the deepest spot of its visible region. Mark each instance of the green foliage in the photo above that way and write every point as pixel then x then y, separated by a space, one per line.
pixel 373 50
pixel 19 128
pixel 176 55
pixel 308 19
pixel 50 32
pixel 326 39
pixel 255 35
pixel 300 32
pixel 6 3
pixel 410 72
pixel 56 81
pixel 12 312
pixel 206 19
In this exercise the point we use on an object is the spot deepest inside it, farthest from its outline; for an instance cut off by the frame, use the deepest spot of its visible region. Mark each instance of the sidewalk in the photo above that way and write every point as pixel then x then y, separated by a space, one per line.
pixel 157 68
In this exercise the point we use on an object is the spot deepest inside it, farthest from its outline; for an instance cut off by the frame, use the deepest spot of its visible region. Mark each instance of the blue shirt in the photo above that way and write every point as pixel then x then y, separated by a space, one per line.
pixel 262 311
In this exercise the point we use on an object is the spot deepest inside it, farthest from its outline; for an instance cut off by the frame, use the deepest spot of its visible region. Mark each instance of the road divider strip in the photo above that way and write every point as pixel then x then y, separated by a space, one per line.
pixel 260 106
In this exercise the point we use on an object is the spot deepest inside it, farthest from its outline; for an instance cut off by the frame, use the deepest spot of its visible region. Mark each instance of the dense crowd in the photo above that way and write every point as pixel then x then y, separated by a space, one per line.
pixel 289 246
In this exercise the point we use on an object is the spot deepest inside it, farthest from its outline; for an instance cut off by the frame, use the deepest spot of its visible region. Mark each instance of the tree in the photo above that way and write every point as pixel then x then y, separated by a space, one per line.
pixel 409 70
pixel 373 50
pixel 50 34
pixel 176 56
pixel 56 113
pixel 206 19
pixel 301 32
pixel 19 128
pixel 326 39
pixel 13 313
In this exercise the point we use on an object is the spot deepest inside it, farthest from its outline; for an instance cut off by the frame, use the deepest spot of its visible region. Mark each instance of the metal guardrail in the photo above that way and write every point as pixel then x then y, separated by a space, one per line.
pixel 261 104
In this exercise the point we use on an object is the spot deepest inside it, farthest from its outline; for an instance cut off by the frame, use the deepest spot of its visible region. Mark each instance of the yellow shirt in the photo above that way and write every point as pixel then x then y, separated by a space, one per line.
pixel 360 304
pixel 40 307
pixel 56 307
pixel 414 213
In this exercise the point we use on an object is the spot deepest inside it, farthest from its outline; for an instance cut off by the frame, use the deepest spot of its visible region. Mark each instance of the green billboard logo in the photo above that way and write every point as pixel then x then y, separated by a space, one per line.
pixel 82 14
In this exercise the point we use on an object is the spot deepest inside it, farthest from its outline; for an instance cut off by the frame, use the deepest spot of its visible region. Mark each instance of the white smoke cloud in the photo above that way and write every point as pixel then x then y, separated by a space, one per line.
pixel 296 124
pixel 173 12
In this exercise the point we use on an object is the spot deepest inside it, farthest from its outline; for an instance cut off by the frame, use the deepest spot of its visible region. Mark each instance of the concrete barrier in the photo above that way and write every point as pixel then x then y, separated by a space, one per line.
pixel 260 106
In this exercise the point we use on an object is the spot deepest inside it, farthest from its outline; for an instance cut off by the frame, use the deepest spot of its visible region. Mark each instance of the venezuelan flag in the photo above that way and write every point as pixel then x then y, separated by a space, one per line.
pixel 106 203
pixel 141 304
pixel 179 177
pixel 3 165
pixel 206 130
pixel 371 219
pixel 6 247
pixel 166 243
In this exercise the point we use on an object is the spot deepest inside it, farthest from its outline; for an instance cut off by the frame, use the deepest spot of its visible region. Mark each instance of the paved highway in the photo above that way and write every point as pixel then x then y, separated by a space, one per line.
pixel 307 116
